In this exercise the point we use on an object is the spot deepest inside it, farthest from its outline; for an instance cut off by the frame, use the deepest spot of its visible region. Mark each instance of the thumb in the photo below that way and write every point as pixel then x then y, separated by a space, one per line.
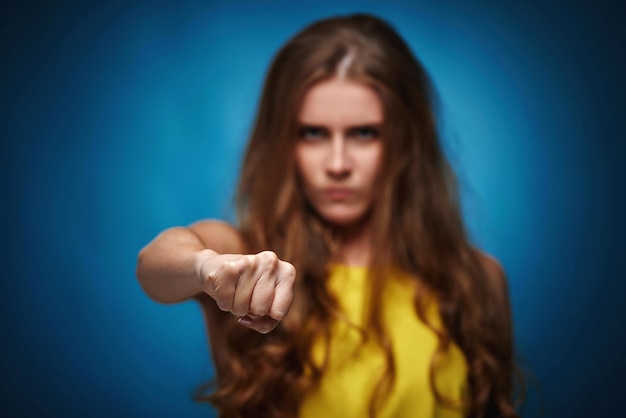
pixel 262 324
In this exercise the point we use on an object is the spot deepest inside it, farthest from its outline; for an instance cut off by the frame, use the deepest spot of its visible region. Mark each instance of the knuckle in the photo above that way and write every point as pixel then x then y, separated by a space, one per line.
pixel 289 272
pixel 261 302
pixel 249 261
pixel 209 280
pixel 267 259
pixel 221 304
pixel 271 256
pixel 289 281
pixel 212 275
pixel 267 325
pixel 223 296
pixel 239 311
pixel 230 267
pixel 259 311
pixel 289 268
pixel 280 307
pixel 267 253
pixel 278 314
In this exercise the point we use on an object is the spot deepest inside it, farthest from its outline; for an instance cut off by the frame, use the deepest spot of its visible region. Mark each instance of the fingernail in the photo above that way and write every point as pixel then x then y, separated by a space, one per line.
pixel 245 320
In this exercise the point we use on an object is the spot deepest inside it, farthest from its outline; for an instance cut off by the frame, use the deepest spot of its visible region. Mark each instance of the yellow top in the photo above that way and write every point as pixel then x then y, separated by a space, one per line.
pixel 352 372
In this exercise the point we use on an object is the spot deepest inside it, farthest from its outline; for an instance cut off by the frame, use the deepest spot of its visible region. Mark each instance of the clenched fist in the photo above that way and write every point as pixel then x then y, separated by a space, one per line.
pixel 257 288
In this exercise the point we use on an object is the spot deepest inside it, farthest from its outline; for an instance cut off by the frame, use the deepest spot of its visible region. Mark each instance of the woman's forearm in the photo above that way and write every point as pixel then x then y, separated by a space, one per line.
pixel 256 288
pixel 166 267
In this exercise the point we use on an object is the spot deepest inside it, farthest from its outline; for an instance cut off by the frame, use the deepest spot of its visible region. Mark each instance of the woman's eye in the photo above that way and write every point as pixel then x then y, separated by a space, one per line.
pixel 365 133
pixel 311 133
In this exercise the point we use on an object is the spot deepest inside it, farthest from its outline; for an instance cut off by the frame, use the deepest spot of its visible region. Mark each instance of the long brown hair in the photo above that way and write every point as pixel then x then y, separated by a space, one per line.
pixel 416 223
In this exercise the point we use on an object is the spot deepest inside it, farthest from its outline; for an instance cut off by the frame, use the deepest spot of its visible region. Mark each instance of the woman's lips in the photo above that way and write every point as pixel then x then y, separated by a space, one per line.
pixel 338 193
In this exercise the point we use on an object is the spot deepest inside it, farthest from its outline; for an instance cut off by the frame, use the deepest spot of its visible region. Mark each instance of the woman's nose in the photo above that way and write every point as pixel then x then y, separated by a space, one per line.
pixel 339 164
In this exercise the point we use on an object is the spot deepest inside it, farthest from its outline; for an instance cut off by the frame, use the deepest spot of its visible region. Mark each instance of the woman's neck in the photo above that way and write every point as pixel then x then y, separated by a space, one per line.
pixel 354 245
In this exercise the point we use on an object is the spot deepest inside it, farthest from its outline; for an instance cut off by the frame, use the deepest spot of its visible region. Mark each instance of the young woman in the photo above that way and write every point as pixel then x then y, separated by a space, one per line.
pixel 349 287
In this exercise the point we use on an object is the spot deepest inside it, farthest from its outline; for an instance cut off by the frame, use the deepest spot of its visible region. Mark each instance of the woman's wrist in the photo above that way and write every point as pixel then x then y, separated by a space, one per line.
pixel 200 259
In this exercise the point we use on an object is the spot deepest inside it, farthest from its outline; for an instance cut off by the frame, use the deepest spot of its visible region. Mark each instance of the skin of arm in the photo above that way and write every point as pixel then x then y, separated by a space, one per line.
pixel 210 258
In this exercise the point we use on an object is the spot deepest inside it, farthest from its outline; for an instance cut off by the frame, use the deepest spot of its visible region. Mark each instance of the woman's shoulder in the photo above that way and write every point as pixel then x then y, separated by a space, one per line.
pixel 219 236
pixel 492 267
pixel 495 277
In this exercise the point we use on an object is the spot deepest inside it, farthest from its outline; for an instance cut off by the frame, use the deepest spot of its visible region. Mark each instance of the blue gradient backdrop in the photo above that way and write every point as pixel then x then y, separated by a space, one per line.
pixel 120 119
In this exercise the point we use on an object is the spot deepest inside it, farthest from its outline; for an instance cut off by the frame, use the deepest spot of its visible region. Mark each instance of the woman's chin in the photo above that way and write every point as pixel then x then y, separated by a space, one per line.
pixel 344 219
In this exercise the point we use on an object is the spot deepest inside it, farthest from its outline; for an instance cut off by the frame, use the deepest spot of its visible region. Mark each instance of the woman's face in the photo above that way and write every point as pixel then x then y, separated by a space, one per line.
pixel 339 150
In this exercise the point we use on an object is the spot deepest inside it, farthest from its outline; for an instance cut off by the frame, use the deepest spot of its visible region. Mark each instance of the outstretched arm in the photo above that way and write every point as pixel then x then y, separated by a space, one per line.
pixel 210 257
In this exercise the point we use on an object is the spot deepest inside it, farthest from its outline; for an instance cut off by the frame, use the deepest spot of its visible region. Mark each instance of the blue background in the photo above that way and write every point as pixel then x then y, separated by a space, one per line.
pixel 121 119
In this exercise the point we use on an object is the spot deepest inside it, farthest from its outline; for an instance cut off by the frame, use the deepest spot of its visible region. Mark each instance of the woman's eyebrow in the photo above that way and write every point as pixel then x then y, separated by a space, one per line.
pixel 367 125
pixel 376 125
pixel 373 126
pixel 311 125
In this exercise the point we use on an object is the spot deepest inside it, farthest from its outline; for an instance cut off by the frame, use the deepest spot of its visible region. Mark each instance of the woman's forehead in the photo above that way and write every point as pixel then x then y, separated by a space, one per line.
pixel 340 100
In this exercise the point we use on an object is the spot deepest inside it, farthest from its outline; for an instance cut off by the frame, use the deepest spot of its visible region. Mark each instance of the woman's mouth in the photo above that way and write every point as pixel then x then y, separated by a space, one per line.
pixel 338 193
